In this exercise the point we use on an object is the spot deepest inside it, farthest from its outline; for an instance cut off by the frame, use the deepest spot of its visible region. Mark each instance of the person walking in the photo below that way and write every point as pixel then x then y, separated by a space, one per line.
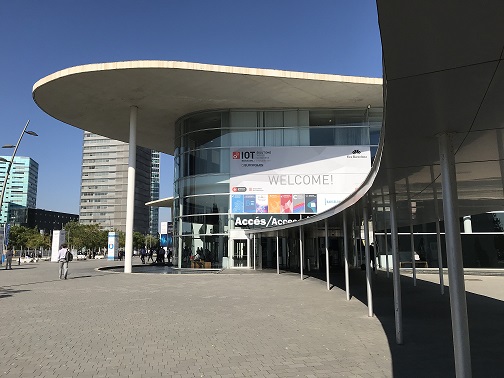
pixel 8 258
pixel 63 261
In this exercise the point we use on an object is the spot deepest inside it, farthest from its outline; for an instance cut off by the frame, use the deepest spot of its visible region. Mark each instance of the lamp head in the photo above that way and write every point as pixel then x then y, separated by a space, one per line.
pixel 33 133
pixel 8 146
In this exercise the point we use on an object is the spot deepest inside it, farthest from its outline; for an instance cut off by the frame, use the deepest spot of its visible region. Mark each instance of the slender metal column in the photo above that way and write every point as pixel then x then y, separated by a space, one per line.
pixel 301 250
pixel 354 232
pixel 438 232
pixel 278 254
pixel 327 255
pixel 368 259
pixel 180 239
pixel 345 247
pixel 248 251
pixel 396 274
pixel 255 251
pixel 500 148
pixel 386 237
pixel 374 218
pixel 412 237
pixel 460 327
pixel 130 196
pixel 467 224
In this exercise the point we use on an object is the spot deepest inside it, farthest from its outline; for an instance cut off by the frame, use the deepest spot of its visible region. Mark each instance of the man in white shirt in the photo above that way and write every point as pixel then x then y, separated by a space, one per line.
pixel 63 262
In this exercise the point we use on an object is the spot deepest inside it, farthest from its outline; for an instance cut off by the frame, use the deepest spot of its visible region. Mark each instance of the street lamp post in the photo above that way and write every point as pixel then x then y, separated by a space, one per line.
pixel 11 161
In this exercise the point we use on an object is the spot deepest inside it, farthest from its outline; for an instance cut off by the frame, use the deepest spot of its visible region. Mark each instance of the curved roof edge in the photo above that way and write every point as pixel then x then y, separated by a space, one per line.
pixel 132 64
pixel 162 202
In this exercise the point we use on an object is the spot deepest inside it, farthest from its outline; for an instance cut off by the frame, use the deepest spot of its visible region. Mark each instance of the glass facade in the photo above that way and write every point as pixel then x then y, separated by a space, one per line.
pixel 21 188
pixel 205 231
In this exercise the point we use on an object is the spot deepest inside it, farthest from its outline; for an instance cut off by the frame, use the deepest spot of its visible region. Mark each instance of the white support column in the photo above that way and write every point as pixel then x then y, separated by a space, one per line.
pixel 180 239
pixel 412 246
pixel 458 305
pixel 301 250
pixel 386 236
pixel 345 247
pixel 254 251
pixel 367 260
pixel 396 274
pixel 327 255
pixel 376 254
pixel 130 196
pixel 354 233
pixel 467 224
pixel 438 232
pixel 412 237
pixel 440 257
pixel 248 251
pixel 278 253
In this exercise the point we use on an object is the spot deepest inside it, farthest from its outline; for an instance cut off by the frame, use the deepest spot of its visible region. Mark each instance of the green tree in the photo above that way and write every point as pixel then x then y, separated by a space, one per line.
pixel 138 240
pixel 37 240
pixel 19 236
pixel 88 236
pixel 122 238
pixel 151 241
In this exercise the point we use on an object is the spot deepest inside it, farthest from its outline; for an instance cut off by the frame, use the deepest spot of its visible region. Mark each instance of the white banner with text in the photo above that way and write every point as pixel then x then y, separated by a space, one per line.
pixel 303 180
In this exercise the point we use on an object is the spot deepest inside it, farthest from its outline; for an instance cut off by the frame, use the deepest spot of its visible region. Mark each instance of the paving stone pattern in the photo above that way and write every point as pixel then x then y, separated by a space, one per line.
pixel 103 324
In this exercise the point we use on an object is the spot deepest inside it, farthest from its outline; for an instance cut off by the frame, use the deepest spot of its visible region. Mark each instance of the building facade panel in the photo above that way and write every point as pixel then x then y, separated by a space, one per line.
pixel 206 224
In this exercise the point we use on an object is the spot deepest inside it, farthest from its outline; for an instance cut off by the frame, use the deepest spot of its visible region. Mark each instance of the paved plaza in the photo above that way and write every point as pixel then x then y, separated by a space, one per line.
pixel 233 324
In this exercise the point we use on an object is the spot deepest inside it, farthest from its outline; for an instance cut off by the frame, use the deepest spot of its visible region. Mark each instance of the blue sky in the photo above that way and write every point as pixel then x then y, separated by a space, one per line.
pixel 38 38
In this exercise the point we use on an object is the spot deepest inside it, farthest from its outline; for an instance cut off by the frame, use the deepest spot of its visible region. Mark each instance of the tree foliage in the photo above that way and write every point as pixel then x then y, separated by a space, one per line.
pixel 78 236
pixel 24 237
pixel 86 236
pixel 138 240
pixel 151 241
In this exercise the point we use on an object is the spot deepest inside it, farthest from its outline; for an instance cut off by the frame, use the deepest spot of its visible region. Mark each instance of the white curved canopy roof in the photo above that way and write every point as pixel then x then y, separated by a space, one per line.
pixel 97 97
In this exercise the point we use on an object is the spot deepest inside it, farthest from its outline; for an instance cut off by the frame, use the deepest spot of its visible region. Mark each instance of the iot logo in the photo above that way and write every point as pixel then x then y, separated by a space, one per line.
pixel 248 155
pixel 356 152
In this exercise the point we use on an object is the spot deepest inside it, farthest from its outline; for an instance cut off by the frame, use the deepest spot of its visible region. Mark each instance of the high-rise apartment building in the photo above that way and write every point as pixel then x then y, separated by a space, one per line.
pixel 154 211
pixel 104 183
pixel 21 188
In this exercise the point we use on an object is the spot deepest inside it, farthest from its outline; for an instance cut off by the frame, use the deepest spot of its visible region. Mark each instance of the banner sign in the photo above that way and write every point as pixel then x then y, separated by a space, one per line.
pixel 263 220
pixel 302 180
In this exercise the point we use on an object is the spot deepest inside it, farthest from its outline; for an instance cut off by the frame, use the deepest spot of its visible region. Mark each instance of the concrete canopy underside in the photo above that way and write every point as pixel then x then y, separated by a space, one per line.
pixel 443 74
pixel 97 97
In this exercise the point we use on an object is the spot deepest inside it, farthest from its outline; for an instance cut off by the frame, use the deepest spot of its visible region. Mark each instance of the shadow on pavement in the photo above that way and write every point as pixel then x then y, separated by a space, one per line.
pixel 428 346
pixel 6 292
pixel 70 277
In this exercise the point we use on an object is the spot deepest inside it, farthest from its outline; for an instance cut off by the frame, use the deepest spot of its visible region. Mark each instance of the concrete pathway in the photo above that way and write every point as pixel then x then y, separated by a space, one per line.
pixel 231 324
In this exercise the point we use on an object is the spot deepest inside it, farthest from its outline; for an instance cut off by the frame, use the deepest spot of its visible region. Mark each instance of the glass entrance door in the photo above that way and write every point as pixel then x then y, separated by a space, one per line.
pixel 240 253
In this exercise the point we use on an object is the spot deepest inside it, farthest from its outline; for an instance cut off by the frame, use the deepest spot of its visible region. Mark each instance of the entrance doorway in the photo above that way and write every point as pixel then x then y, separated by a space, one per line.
pixel 240 253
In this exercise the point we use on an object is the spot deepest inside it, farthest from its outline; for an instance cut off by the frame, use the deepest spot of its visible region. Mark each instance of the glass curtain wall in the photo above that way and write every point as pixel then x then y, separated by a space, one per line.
pixel 202 166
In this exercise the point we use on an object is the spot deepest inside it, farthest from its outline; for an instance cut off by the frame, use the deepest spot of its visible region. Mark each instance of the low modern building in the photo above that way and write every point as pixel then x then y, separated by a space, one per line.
pixel 291 146
pixel 45 220
pixel 21 187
